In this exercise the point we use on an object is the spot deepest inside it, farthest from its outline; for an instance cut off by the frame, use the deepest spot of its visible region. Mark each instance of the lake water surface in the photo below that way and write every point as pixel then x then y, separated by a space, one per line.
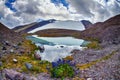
pixel 56 47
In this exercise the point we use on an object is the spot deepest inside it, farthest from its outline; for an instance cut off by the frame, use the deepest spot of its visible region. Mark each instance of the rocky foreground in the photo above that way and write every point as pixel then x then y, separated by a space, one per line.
pixel 91 64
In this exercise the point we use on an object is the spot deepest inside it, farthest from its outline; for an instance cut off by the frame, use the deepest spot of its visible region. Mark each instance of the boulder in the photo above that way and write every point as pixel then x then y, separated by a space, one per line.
pixel 4 48
pixel 41 48
pixel 11 74
pixel 37 55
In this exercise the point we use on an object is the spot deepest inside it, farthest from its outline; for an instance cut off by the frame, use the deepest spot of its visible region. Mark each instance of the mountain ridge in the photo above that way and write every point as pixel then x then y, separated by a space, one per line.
pixel 108 31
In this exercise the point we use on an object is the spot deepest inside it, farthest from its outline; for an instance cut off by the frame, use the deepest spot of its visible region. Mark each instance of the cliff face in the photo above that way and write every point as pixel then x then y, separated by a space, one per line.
pixel 108 31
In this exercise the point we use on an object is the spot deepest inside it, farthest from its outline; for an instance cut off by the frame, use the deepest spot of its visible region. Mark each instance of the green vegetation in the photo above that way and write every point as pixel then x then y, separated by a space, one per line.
pixel 61 71
pixel 93 45
pixel 27 56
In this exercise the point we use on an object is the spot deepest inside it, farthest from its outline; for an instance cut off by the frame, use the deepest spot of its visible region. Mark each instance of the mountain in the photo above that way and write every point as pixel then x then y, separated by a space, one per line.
pixel 70 25
pixel 86 23
pixel 50 24
pixel 29 27
pixel 108 31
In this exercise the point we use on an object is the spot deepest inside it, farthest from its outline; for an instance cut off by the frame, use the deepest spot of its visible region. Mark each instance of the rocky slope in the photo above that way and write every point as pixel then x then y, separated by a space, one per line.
pixel 108 31
pixel 7 34
pixel 9 41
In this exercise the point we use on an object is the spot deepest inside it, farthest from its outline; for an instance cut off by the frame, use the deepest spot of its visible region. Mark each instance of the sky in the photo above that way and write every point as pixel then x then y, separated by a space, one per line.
pixel 19 12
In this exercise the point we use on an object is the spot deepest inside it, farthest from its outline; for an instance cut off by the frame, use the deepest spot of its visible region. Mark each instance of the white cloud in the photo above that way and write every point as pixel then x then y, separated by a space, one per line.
pixel 31 10
pixel 96 10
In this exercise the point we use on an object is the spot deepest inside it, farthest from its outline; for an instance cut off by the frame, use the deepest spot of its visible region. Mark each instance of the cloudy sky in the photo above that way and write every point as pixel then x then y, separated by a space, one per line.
pixel 19 12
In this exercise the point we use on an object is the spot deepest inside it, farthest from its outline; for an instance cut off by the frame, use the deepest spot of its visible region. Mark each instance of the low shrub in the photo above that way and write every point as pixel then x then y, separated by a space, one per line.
pixel 93 45
pixel 62 69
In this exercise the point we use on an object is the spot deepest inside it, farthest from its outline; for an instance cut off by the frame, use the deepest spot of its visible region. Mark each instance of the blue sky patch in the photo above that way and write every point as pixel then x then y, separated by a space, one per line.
pixel 9 4
pixel 57 2
pixel 106 0
pixel 118 0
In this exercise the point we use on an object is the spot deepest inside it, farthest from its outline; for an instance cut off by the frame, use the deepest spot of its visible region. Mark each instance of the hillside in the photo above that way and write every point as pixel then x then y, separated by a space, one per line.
pixel 10 41
pixel 28 27
pixel 57 32
pixel 108 31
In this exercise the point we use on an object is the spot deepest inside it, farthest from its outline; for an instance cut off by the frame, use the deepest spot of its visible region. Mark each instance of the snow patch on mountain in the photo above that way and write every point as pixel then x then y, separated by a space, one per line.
pixel 71 25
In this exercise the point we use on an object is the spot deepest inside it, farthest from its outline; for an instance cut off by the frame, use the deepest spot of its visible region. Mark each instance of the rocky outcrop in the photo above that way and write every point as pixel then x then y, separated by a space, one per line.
pixel 86 23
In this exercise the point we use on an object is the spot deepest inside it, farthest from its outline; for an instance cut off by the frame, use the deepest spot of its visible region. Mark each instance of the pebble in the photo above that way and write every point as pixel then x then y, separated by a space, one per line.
pixel 28 65
pixel 89 78
pixel 11 50
pixel 15 60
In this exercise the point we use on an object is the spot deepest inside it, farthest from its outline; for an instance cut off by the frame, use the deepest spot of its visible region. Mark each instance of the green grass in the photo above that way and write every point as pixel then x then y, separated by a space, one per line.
pixel 93 45
pixel 25 57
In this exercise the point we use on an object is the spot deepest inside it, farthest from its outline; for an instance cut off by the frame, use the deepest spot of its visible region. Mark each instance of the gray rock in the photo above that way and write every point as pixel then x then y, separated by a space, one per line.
pixel 7 43
pixel 41 48
pixel 37 56
pixel 62 46
pixel 4 48
pixel 1 63
pixel 11 74
pixel 28 66
pixel 11 50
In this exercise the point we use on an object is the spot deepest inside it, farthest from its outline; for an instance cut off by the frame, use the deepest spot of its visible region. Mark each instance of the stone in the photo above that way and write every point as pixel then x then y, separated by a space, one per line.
pixel 28 66
pixel 62 46
pixel 15 60
pixel 89 78
pixel 7 43
pixel 37 56
pixel 1 63
pixel 11 50
pixel 4 48
pixel 41 48
pixel 11 74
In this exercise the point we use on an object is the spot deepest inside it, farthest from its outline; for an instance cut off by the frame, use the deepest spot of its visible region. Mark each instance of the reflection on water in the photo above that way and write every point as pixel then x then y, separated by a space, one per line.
pixel 56 47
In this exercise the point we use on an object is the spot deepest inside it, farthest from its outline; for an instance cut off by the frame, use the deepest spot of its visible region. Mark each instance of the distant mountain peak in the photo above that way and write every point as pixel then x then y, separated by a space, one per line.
pixel 29 27
pixel 86 23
